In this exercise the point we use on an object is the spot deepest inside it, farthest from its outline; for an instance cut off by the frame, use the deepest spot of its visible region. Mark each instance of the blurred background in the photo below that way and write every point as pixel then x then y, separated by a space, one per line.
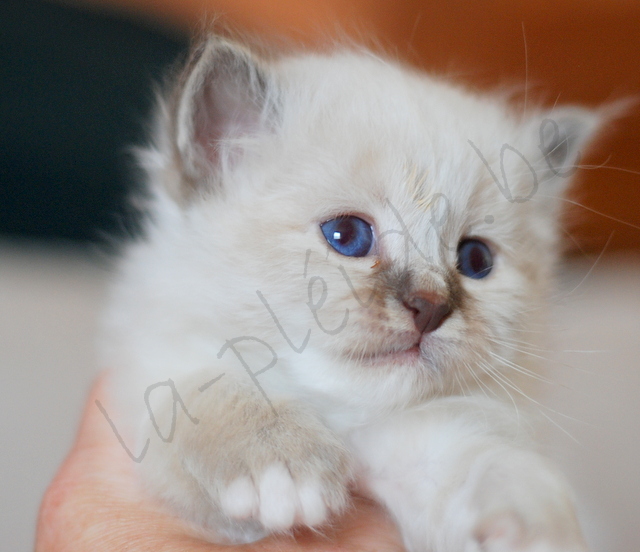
pixel 76 89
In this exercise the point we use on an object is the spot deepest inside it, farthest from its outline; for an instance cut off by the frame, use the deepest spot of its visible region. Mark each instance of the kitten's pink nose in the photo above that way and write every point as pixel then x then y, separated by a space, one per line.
pixel 429 311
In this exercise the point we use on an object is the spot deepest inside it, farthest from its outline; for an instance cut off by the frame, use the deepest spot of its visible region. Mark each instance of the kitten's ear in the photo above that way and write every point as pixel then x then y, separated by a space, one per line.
pixel 562 136
pixel 222 98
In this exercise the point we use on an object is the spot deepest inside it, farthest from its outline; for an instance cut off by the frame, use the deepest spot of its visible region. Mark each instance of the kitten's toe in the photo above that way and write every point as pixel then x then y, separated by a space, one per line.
pixel 312 504
pixel 279 501
pixel 278 498
pixel 239 500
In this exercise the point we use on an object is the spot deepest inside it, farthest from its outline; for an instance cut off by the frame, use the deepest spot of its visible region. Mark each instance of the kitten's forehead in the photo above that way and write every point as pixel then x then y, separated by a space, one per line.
pixel 365 92
pixel 400 131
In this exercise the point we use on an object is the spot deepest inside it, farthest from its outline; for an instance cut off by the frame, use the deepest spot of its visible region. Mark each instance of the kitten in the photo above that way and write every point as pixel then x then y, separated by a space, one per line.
pixel 344 269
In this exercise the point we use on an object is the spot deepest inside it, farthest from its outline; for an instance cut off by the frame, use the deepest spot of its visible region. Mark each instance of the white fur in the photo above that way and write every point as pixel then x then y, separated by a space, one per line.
pixel 240 499
pixel 459 481
pixel 236 207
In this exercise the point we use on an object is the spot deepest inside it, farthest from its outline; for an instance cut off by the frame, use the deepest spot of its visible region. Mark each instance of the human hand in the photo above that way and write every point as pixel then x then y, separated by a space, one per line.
pixel 94 503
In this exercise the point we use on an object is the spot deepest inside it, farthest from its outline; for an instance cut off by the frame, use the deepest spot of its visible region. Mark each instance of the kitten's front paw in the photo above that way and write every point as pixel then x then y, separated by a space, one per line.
pixel 275 472
pixel 523 505
pixel 278 500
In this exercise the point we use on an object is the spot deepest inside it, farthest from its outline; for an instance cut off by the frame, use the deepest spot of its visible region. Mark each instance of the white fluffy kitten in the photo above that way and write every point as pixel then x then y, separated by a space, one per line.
pixel 344 268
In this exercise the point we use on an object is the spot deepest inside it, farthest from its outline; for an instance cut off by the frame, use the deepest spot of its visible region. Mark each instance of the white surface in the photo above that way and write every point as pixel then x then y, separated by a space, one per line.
pixel 597 397
pixel 48 306
pixel 49 301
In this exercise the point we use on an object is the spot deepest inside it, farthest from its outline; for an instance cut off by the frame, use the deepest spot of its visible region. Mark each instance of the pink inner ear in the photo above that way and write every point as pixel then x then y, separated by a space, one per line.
pixel 224 109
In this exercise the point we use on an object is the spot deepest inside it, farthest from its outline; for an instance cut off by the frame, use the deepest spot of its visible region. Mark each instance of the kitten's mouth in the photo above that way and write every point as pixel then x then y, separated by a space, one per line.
pixel 409 355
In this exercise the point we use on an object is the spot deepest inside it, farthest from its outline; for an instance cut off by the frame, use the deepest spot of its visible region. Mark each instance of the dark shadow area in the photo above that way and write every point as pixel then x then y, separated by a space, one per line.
pixel 76 91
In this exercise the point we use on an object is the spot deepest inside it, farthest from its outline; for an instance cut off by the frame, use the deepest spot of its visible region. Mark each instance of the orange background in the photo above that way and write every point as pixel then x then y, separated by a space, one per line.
pixel 585 51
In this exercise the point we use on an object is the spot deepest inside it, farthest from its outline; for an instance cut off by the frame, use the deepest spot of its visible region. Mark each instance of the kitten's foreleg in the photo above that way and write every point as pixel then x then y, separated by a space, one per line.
pixel 457 477
pixel 248 467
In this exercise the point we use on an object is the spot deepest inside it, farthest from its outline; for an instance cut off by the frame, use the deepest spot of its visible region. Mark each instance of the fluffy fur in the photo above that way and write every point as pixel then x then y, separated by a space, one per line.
pixel 269 374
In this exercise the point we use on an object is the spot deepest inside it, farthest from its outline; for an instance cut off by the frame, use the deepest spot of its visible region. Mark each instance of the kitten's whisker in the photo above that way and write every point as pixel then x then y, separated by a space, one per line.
pixel 462 382
pixel 502 377
pixel 605 166
pixel 459 384
pixel 517 349
pixel 558 426
pixel 513 363
pixel 573 240
pixel 521 369
pixel 519 342
pixel 481 384
pixel 586 351
pixel 530 309
pixel 593 266
pixel 487 369
pixel 552 360
pixel 600 213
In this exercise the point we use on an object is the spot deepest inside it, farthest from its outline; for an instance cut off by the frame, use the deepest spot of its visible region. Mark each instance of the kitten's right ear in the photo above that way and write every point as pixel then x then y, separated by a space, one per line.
pixel 223 95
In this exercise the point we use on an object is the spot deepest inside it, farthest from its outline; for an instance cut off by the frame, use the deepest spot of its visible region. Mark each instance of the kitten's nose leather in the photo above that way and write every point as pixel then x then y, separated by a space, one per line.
pixel 429 311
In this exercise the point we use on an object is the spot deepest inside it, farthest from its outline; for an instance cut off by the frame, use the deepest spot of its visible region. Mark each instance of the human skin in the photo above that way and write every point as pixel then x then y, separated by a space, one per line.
pixel 94 503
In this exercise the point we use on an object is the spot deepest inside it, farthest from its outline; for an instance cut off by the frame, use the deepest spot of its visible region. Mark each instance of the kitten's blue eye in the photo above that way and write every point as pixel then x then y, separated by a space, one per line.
pixel 348 235
pixel 474 259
